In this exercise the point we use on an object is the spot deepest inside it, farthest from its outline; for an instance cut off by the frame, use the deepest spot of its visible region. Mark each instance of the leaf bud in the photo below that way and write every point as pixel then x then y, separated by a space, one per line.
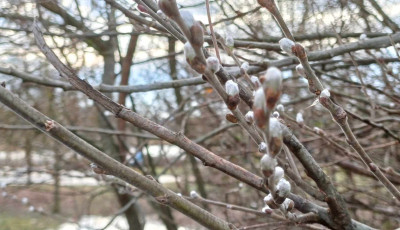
pixel 96 169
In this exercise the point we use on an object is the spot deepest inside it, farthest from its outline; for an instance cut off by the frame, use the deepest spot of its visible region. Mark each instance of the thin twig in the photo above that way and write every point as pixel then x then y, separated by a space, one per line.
pixel 212 31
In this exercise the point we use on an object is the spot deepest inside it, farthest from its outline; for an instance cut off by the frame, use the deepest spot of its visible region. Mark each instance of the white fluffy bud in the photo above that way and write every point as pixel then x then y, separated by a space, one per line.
pixel 256 82
pixel 187 18
pixel 249 117
pixel 194 195
pixel 299 118
pixel 260 108
pixel 278 174
pixel 24 200
pixel 325 93
pixel 189 52
pixel 275 142
pixel 213 64
pixel 300 70
pixel 229 41
pixel 262 148
pixel 245 66
pixel 288 205
pixel 232 88
pixel 31 208
pixel 363 37
pixel 269 200
pixel 259 99
pixel 267 165
pixel 280 108
pixel 266 209
pixel 283 188
pixel 275 127
pixel 179 194
pixel 286 45
pixel 272 86
pixel 275 114
pixel 317 130
pixel 273 75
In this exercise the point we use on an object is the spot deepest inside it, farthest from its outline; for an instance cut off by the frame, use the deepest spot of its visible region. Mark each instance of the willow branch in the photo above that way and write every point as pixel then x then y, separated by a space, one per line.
pixel 208 158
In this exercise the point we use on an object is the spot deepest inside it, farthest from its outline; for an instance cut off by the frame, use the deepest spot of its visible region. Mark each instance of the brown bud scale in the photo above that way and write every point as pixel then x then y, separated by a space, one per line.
pixel 231 118
pixel 260 117
pixel 233 102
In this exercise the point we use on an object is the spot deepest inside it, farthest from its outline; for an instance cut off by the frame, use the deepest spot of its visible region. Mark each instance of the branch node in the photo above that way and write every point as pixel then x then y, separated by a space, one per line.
pixel 121 107
pixel 150 177
pixel 163 199
pixel 49 125
pixel 373 167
